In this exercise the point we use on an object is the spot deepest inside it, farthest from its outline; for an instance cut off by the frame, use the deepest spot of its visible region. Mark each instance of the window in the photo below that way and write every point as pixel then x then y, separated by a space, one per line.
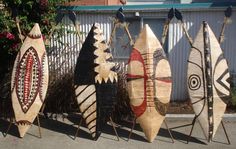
pixel 121 44
pixel 121 48
pixel 157 27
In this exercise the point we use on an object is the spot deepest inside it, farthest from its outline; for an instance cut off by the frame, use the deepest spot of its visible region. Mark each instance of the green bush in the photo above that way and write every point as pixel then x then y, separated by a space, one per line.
pixel 233 93
pixel 19 16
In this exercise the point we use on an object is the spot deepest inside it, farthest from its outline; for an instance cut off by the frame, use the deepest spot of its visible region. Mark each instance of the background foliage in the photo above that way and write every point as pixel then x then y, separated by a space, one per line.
pixel 24 13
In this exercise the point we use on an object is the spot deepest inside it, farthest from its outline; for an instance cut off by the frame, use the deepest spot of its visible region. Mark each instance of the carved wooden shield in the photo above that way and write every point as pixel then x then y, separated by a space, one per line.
pixel 207 79
pixel 149 82
pixel 95 80
pixel 29 80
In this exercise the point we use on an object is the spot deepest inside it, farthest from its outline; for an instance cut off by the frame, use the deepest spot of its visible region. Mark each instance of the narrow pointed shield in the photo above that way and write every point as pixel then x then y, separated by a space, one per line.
pixel 207 79
pixel 149 82
pixel 29 80
pixel 95 80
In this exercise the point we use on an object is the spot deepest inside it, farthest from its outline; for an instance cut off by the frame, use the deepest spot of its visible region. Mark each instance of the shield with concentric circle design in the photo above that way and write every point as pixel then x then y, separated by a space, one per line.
pixel 207 80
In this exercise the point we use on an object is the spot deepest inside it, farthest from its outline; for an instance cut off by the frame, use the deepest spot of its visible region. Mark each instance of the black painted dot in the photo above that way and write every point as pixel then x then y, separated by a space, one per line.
pixel 194 82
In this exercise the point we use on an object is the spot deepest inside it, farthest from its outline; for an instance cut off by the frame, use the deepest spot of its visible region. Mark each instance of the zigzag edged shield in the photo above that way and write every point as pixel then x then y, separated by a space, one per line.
pixel 95 80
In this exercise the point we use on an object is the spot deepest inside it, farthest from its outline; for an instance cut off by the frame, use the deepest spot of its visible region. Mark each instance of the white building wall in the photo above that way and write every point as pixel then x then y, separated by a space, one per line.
pixel 178 46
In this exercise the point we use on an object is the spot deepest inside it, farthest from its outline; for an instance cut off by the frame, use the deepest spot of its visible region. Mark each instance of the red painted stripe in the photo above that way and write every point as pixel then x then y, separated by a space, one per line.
pixel 139 110
pixel 34 36
pixel 164 80
pixel 135 76
pixel 136 56
pixel 27 80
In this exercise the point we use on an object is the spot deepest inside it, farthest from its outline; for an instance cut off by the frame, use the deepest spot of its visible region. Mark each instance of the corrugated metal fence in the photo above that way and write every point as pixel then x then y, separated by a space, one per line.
pixel 62 58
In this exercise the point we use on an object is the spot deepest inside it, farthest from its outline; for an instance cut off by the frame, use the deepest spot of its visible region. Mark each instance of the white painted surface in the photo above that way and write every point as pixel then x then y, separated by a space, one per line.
pixel 178 46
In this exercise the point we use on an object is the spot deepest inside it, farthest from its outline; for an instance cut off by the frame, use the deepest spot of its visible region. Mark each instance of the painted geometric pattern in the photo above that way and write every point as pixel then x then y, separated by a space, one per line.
pixel 85 90
pixel 43 63
pixel 209 83
pixel 158 56
pixel 221 81
pixel 136 56
pixel 207 79
pixel 14 72
pixel 86 97
pixel 149 63
pixel 105 66
pixel 28 78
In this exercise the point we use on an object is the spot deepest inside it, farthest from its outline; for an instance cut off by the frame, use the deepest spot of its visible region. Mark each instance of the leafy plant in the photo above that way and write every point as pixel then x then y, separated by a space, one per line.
pixel 233 93
pixel 17 17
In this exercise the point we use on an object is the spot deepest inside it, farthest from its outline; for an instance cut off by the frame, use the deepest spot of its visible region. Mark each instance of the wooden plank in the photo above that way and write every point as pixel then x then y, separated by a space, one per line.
pixel 29 80
pixel 149 82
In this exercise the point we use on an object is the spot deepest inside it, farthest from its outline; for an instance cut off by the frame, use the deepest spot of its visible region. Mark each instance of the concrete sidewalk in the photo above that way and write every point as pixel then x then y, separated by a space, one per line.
pixel 59 134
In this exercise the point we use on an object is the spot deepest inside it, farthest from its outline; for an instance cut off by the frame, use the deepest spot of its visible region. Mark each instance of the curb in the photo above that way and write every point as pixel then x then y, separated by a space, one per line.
pixel 192 115
pixel 227 117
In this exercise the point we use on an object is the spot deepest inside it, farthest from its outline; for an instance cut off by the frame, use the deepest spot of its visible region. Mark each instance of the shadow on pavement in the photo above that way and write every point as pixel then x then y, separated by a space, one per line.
pixel 63 127
pixel 106 129
pixel 3 128
pixel 163 132
pixel 123 130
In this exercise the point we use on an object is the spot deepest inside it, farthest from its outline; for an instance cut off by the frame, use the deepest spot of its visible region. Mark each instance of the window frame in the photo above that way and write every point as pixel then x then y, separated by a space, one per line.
pixel 141 19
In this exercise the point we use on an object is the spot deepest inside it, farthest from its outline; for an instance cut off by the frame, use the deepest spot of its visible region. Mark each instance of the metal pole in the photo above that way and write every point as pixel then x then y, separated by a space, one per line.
pixel 131 131
pixel 190 134
pixel 40 135
pixel 169 131
pixel 77 131
pixel 8 128
pixel 227 137
pixel 112 123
